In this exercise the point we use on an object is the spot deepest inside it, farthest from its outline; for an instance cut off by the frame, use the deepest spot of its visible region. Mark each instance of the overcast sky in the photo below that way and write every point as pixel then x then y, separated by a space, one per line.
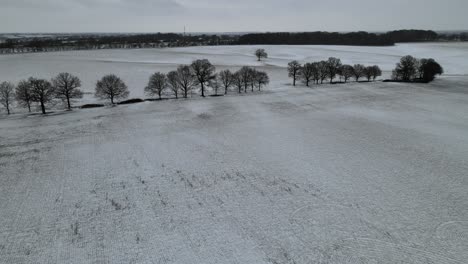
pixel 230 15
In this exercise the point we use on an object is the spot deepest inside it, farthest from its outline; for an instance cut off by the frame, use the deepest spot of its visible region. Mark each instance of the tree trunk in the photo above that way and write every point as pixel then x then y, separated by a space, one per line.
pixel 8 107
pixel 202 90
pixel 294 80
pixel 43 107
pixel 29 106
pixel 112 99
pixel 68 102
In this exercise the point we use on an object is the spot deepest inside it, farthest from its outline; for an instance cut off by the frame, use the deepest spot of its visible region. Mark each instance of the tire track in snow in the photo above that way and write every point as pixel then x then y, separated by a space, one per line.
pixel 365 250
pixel 451 237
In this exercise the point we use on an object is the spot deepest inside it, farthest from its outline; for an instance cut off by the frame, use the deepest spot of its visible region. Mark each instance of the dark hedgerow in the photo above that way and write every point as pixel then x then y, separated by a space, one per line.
pixel 131 101
pixel 87 106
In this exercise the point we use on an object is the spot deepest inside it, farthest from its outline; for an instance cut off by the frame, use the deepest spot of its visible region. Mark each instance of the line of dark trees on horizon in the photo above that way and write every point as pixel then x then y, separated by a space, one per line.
pixel 179 82
pixel 360 38
pixel 158 40
pixel 117 41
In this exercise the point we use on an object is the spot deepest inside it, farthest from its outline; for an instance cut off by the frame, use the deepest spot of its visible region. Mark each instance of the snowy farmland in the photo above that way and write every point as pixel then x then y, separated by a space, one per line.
pixel 135 66
pixel 357 173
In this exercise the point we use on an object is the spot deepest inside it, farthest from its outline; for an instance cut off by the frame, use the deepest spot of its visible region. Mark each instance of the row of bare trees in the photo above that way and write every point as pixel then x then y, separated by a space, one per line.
pixel 182 81
pixel 201 73
pixel 318 72
pixel 411 69
pixel 41 91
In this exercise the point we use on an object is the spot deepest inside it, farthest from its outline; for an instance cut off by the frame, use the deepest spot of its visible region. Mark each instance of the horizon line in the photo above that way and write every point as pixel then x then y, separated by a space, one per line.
pixel 223 32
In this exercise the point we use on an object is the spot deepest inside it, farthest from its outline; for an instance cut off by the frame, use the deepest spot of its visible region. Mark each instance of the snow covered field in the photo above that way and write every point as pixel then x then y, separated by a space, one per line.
pixel 357 173
pixel 135 66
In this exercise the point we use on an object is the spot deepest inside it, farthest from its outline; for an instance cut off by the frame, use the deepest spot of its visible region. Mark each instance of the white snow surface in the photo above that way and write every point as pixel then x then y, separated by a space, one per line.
pixel 356 173
pixel 135 66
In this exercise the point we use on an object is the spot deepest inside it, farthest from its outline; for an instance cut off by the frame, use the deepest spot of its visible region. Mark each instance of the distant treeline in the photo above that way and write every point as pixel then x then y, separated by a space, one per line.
pixel 160 40
pixel 118 41
pixel 334 38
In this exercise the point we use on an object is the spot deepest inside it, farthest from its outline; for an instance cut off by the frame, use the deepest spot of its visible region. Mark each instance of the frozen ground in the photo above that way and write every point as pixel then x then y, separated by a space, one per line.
pixel 364 173
pixel 135 66
pixel 357 173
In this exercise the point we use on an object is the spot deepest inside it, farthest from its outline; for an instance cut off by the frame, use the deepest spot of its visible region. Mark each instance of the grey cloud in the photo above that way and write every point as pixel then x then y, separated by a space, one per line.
pixel 229 15
pixel 31 4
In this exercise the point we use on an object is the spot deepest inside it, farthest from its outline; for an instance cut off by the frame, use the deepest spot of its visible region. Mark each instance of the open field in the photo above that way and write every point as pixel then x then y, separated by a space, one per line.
pixel 356 173
pixel 135 66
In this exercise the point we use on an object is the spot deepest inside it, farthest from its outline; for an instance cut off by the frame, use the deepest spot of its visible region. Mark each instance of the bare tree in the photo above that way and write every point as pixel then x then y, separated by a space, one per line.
pixel 323 70
pixel 430 68
pixel 261 53
pixel 376 72
pixel 227 80
pixel 237 80
pixel 23 94
pixel 204 71
pixel 245 74
pixel 186 79
pixel 410 68
pixel 358 71
pixel 419 68
pixel 111 87
pixel 333 64
pixel 406 69
pixel 216 84
pixel 396 75
pixel 156 85
pixel 316 72
pixel 347 71
pixel 7 95
pixel 261 78
pixel 294 68
pixel 42 92
pixel 307 73
pixel 67 87
pixel 368 73
pixel 253 77
pixel 173 82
